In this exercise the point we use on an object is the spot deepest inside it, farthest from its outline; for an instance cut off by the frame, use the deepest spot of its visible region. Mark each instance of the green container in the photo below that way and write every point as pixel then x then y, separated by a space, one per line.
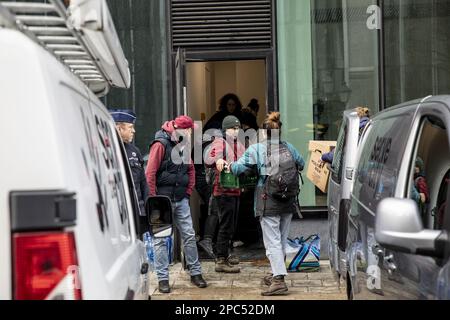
pixel 248 181
pixel 228 180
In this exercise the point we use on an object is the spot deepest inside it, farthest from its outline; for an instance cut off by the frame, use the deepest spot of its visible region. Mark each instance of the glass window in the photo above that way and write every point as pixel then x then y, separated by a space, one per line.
pixel 381 159
pixel 417 49
pixel 429 172
pixel 142 30
pixel 139 229
pixel 327 63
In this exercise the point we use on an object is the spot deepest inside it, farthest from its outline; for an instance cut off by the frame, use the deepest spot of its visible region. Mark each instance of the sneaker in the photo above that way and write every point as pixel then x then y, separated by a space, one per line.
pixel 206 245
pixel 199 281
pixel 163 286
pixel 222 266
pixel 233 260
pixel 267 280
pixel 278 287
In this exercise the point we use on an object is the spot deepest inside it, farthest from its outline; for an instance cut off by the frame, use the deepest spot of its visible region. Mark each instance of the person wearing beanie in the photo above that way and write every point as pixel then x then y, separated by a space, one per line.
pixel 225 200
pixel 167 177
pixel 125 121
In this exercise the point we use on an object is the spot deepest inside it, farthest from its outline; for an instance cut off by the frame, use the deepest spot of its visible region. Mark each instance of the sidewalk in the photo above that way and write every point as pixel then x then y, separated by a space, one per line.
pixel 247 285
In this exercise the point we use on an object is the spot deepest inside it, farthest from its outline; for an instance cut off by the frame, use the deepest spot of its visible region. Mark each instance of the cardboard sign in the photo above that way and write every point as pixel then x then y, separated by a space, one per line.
pixel 318 172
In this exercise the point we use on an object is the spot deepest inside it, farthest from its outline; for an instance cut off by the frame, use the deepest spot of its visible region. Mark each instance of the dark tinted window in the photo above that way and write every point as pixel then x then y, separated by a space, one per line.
pixel 339 154
pixel 381 159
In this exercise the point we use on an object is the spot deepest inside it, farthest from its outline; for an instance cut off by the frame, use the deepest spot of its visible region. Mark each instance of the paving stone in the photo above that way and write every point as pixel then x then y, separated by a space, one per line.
pixel 330 283
pixel 321 276
pixel 212 276
pixel 322 290
pixel 253 270
pixel 297 276
pixel 307 283
pixel 246 284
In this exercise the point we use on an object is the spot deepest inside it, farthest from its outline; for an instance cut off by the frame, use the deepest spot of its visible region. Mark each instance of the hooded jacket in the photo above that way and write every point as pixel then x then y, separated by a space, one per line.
pixel 164 177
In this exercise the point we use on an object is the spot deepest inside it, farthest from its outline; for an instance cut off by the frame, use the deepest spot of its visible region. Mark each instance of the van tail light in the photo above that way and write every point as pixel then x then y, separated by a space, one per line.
pixel 43 262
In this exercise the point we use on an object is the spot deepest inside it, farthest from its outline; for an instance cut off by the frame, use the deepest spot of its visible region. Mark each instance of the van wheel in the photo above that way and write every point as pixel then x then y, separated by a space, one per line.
pixel 349 288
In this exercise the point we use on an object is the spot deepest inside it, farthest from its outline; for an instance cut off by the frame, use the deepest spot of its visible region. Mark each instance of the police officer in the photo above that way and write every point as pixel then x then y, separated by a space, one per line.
pixel 125 120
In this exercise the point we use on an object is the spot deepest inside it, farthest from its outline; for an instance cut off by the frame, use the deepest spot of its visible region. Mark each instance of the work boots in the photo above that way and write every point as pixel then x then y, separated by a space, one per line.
pixel 223 266
pixel 277 287
pixel 267 280
pixel 233 260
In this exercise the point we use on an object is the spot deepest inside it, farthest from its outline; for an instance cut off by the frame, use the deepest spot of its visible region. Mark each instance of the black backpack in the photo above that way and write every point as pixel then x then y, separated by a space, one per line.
pixel 282 183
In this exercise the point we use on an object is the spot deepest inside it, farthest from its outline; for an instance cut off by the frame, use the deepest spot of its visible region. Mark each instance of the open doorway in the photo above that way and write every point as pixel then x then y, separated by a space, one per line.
pixel 206 83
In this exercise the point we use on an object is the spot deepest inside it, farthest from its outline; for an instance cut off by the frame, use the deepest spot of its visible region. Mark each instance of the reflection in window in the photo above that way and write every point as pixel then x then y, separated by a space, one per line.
pixel 429 173
pixel 417 49
pixel 345 62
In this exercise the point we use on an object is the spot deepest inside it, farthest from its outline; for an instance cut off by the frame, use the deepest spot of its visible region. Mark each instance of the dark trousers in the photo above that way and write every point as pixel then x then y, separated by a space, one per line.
pixel 228 209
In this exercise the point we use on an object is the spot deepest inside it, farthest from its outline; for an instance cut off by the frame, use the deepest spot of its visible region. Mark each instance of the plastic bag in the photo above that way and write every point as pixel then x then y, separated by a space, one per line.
pixel 303 255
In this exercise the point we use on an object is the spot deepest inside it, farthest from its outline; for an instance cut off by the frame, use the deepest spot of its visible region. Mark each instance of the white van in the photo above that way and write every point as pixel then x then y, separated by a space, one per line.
pixel 69 224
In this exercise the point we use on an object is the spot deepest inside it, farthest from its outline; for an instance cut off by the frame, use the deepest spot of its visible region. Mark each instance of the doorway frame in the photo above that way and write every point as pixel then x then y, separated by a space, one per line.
pixel 268 55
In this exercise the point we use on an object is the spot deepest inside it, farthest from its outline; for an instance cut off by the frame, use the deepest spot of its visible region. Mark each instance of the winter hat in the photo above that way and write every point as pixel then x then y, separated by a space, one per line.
pixel 230 122
pixel 185 122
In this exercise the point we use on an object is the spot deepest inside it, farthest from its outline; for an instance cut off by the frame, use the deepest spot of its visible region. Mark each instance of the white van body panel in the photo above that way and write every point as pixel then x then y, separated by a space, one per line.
pixel 60 137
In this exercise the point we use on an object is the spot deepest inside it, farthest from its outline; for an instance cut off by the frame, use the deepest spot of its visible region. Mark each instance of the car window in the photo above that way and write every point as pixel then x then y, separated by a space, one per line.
pixel 131 190
pixel 381 159
pixel 339 154
pixel 429 172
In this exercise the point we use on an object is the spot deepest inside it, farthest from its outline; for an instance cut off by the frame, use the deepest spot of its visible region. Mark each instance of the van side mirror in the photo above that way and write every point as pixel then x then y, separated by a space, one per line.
pixel 158 210
pixel 399 228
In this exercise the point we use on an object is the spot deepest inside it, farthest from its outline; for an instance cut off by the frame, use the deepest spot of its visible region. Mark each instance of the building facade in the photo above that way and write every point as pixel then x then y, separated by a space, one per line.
pixel 309 59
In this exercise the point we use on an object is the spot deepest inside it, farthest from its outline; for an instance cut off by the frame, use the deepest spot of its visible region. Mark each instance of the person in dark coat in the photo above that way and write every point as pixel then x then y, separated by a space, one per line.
pixel 250 115
pixel 229 105
pixel 125 121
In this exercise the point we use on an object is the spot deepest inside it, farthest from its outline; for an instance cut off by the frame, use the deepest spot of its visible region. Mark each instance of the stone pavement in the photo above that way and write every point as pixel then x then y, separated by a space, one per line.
pixel 247 285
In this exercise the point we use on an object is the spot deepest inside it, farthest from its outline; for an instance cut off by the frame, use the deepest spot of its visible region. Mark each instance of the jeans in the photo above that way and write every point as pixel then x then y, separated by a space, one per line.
pixel 228 209
pixel 275 231
pixel 183 221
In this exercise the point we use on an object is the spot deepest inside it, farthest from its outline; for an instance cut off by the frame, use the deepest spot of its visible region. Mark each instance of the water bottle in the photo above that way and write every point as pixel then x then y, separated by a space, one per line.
pixel 148 242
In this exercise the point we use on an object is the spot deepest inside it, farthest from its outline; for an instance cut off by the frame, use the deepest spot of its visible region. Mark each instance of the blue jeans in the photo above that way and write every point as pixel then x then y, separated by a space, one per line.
pixel 183 221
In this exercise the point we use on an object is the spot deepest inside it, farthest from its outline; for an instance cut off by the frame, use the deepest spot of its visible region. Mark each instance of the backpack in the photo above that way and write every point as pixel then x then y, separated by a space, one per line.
pixel 282 183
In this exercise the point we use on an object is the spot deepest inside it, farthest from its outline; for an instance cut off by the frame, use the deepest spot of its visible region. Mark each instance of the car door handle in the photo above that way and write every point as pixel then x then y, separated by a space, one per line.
pixel 144 268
